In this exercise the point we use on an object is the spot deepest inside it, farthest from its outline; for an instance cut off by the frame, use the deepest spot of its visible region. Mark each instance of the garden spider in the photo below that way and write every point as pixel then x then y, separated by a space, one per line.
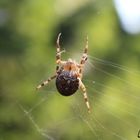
pixel 69 74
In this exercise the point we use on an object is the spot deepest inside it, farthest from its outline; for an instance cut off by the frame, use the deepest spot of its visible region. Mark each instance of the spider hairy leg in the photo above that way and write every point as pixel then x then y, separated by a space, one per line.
pixel 58 53
pixel 86 48
pixel 46 82
pixel 84 56
pixel 57 68
pixel 83 88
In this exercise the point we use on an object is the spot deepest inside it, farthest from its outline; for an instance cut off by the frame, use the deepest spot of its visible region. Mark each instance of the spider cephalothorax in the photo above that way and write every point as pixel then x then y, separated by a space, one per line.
pixel 69 74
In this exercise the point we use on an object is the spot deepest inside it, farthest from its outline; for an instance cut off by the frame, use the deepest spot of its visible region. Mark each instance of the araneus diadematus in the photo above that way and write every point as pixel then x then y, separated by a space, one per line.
pixel 69 74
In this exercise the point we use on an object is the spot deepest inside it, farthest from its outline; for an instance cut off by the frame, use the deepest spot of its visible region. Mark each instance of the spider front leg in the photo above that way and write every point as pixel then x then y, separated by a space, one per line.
pixel 84 57
pixel 83 88
pixel 46 82
pixel 58 53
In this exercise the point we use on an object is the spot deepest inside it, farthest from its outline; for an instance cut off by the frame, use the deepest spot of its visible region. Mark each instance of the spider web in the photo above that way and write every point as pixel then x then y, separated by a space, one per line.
pixel 115 107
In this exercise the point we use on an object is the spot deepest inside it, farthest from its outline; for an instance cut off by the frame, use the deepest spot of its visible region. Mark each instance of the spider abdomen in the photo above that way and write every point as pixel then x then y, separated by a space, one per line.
pixel 67 83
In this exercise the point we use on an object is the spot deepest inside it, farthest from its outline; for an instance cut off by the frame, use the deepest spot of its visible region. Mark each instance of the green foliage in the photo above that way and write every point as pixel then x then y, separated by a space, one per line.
pixel 27 54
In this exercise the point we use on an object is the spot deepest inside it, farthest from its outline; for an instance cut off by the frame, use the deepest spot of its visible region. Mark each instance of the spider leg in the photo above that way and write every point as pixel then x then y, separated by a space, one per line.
pixel 46 82
pixel 58 52
pixel 83 88
pixel 84 57
pixel 57 68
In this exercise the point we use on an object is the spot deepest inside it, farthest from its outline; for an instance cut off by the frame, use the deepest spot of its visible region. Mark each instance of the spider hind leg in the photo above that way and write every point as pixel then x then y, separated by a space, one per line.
pixel 83 88
pixel 46 82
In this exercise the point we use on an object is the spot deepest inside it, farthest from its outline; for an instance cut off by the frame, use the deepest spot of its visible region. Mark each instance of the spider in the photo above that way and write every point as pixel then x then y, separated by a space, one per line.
pixel 69 74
